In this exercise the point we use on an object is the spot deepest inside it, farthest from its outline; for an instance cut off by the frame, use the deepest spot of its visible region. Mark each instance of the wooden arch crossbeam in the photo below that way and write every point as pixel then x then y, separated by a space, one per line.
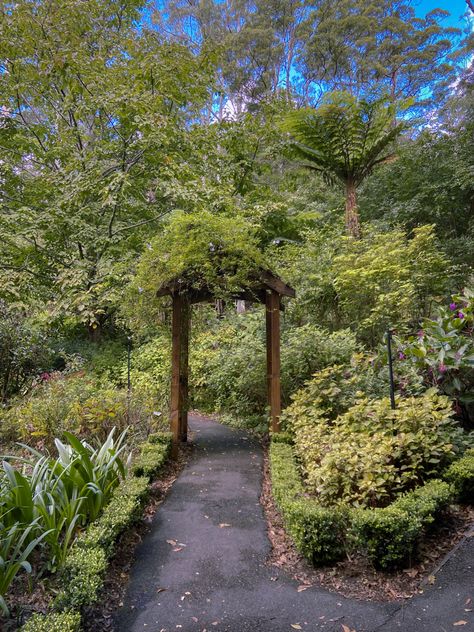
pixel 268 289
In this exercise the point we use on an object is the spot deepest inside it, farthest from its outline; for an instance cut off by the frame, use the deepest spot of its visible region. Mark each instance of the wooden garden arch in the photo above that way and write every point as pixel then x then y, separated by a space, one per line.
pixel 267 289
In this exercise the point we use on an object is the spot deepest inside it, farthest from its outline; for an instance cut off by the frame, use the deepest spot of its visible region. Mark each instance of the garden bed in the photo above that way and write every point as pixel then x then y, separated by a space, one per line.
pixel 352 574
pixel 60 601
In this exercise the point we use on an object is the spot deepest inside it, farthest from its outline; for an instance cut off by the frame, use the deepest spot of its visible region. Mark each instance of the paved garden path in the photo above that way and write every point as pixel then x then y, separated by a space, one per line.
pixel 202 566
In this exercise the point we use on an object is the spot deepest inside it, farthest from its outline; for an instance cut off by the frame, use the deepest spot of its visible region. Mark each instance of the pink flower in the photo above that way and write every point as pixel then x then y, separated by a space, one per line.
pixel 460 315
pixel 442 368
pixel 401 355
pixel 452 306
pixel 421 333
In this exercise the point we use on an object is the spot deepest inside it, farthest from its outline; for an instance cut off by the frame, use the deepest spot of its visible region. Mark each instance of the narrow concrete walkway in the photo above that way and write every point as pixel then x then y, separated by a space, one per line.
pixel 202 566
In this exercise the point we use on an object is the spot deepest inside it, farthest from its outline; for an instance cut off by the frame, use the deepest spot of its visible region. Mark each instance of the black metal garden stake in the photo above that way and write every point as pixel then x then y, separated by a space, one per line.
pixel 390 368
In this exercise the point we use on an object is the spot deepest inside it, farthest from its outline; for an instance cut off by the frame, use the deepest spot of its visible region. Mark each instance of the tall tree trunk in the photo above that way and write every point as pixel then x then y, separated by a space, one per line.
pixel 352 215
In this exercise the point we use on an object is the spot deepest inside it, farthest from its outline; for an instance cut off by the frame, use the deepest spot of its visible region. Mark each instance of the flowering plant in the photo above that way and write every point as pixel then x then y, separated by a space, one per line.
pixel 444 348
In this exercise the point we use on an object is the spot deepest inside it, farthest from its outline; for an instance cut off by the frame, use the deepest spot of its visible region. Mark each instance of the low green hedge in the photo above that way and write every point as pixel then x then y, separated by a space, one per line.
pixel 123 510
pixel 388 536
pixel 282 437
pixel 82 575
pixel 83 572
pixel 153 456
pixel 160 437
pixel 315 529
pixel 53 622
pixel 461 475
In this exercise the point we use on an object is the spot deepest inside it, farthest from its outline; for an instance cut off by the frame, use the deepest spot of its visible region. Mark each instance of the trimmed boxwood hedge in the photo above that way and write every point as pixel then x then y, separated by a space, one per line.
pixel 83 572
pixel 317 531
pixel 389 536
pixel 54 622
pixel 461 475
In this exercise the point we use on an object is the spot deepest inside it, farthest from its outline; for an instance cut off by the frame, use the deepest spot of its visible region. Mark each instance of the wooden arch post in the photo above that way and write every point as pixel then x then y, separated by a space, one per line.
pixel 179 370
pixel 272 311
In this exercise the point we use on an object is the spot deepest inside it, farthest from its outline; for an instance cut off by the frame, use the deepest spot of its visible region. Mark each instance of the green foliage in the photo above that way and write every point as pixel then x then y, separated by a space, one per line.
pixel 461 476
pixel 345 138
pixel 123 510
pixel 53 622
pixel 58 496
pixel 150 374
pixel 387 280
pixel 228 365
pixel 160 438
pixel 17 542
pixel 104 122
pixel 281 437
pixel 379 48
pixel 361 452
pixel 204 252
pixel 389 536
pixel 431 183
pixel 152 457
pixel 315 530
pixel 24 351
pixel 82 578
pixel 444 348
pixel 77 404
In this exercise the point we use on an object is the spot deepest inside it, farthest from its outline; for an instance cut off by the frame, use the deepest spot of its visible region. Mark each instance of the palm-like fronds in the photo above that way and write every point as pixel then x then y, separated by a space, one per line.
pixel 345 138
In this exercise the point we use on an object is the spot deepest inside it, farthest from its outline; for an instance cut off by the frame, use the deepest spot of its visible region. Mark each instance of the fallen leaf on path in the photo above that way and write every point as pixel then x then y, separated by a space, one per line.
pixel 431 579
pixel 468 601
pixel 172 542
pixel 462 622
pixel 303 587
pixel 296 626
pixel 346 628
pixel 223 524
pixel 158 590
pixel 177 549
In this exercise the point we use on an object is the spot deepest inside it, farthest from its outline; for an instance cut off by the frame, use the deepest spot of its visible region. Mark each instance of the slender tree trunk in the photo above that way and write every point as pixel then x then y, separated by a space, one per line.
pixel 352 215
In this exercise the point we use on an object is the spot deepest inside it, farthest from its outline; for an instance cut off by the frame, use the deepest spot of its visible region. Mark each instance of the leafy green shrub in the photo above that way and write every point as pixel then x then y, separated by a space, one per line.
pixel 228 366
pixel 389 536
pixel 334 389
pixel 24 351
pixel 82 576
pixel 443 350
pixel 317 531
pixel 385 279
pixel 461 475
pixel 307 349
pixel 80 405
pixel 160 437
pixel 281 437
pixel 150 374
pixel 151 459
pixel 17 542
pixel 53 622
pixel 58 496
pixel 370 453
pixel 122 511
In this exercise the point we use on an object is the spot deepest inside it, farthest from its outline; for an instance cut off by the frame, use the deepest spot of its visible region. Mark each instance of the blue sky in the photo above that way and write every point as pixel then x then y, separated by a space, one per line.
pixel 456 8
